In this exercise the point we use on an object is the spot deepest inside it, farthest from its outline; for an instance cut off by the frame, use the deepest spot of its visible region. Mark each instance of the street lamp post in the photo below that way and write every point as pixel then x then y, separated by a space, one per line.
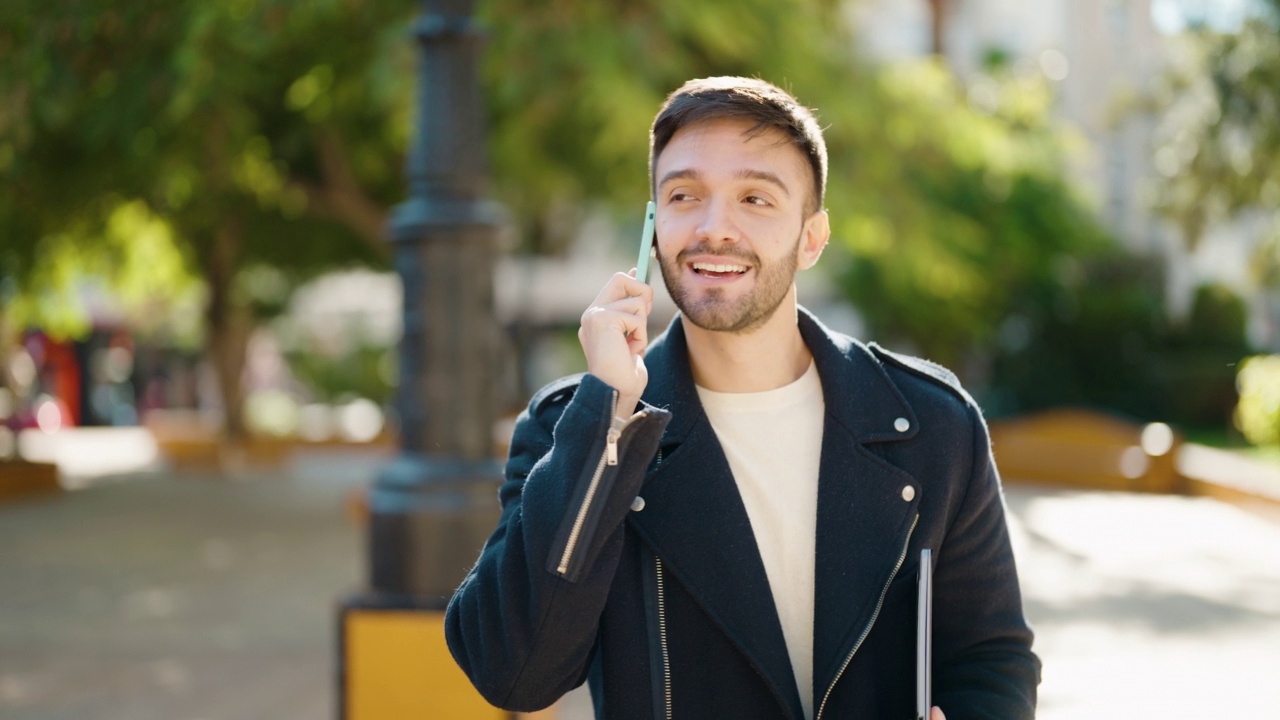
pixel 431 508
pixel 427 521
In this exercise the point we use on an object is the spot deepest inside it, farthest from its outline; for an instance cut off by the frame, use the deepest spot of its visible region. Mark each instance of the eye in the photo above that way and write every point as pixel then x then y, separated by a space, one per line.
pixel 679 196
pixel 756 200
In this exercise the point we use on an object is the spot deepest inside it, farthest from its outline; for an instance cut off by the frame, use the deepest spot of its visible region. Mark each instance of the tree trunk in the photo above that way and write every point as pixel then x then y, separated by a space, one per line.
pixel 7 341
pixel 937 26
pixel 340 197
pixel 229 325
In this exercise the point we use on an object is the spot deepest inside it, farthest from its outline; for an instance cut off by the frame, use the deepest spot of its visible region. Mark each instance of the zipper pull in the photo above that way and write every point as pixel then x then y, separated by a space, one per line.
pixel 611 446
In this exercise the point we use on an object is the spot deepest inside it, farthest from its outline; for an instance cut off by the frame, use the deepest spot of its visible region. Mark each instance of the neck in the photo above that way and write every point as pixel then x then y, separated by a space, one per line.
pixel 768 357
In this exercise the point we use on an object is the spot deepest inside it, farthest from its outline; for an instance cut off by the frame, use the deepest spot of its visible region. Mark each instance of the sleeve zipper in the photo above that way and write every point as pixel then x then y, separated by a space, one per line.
pixel 611 444
pixel 610 457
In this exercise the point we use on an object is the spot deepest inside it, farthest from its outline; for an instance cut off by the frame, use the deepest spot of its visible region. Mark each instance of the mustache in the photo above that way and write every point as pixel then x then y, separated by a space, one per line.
pixel 703 248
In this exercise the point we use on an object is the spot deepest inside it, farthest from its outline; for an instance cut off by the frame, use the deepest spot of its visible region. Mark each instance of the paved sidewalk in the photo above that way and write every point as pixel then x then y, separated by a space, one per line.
pixel 200 598
pixel 162 598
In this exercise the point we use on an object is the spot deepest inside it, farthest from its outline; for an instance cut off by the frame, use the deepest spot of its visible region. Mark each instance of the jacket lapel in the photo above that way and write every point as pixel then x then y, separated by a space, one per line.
pixel 863 515
pixel 694 520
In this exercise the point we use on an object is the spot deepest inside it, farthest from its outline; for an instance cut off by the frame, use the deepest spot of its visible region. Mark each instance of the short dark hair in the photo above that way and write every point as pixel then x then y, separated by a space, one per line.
pixel 770 106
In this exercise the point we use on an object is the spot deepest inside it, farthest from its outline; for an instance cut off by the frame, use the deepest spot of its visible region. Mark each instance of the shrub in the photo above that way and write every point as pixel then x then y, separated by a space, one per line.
pixel 1258 412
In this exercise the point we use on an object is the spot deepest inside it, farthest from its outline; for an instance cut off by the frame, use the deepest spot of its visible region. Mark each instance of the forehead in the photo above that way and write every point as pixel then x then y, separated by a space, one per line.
pixel 732 145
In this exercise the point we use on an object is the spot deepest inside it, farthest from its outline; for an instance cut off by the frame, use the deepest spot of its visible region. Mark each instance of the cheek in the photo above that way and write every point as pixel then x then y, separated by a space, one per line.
pixel 666 238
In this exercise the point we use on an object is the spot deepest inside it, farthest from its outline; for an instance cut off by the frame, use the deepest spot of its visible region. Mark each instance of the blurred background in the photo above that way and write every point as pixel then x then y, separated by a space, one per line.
pixel 1074 205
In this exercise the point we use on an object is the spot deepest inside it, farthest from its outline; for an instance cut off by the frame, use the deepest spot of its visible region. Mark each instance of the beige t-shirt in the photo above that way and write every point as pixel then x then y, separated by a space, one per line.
pixel 773 441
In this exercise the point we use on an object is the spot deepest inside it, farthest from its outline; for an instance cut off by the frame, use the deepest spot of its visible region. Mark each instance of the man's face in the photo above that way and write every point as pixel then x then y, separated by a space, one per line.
pixel 730 225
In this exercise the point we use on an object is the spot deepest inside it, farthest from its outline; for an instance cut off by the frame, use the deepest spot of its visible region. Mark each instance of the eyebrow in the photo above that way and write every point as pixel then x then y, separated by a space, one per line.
pixel 761 175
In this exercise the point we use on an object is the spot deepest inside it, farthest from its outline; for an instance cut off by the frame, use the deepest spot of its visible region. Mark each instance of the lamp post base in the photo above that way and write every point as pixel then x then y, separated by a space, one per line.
pixel 393 663
pixel 428 520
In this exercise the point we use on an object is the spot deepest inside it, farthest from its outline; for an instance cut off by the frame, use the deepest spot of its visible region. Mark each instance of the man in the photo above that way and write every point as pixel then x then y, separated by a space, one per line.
pixel 726 523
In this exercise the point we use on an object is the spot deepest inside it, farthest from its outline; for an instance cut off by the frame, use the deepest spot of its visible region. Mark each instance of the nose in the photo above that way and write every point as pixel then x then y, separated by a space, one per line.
pixel 717 223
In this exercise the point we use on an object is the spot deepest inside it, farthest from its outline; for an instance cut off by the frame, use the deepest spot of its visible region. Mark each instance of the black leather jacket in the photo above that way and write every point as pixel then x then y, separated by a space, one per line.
pixel 662 602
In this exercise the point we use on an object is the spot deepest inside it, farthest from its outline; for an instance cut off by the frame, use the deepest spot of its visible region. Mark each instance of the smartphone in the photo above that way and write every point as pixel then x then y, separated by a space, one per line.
pixel 924 636
pixel 646 243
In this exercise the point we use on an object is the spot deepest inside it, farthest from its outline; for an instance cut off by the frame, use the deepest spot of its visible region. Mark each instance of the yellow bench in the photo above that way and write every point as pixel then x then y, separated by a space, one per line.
pixel 1082 448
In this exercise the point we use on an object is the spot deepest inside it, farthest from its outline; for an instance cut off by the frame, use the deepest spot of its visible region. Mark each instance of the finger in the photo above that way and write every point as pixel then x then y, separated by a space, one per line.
pixel 935 713
pixel 623 285
pixel 631 305
pixel 637 335
pixel 638 339
pixel 636 288
pixel 604 322
pixel 615 288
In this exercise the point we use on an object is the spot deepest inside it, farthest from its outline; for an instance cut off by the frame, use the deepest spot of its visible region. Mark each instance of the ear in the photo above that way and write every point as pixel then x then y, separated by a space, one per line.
pixel 813 239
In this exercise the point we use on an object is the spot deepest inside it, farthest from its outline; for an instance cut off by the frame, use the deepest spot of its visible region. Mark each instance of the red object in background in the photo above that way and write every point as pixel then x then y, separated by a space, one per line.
pixel 61 359
pixel 58 374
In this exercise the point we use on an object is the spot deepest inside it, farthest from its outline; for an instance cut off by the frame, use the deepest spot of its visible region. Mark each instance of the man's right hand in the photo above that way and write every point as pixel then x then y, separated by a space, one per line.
pixel 614 334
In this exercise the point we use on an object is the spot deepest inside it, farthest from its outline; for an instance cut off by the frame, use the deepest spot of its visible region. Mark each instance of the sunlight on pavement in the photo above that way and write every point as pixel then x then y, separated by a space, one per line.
pixel 1149 606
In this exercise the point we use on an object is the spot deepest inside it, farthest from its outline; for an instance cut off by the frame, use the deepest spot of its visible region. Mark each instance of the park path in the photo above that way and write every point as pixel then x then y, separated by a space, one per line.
pixel 203 597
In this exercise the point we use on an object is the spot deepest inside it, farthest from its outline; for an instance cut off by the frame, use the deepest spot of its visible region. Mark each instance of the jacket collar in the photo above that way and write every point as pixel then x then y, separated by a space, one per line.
pixel 857 390
pixel 695 521
pixel 859 394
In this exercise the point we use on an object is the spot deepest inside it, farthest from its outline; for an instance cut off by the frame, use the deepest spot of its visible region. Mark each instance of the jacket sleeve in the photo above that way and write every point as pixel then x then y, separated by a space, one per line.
pixel 523 623
pixel 983 663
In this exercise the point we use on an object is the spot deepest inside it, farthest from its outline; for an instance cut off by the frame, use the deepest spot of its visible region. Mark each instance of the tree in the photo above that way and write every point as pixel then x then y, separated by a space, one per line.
pixel 956 224
pixel 945 211
pixel 573 86
pixel 1220 149
pixel 1219 152
pixel 265 137
pixel 258 131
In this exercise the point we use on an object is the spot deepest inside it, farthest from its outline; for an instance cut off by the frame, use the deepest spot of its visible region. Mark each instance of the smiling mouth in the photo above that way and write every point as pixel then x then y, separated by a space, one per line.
pixel 718 270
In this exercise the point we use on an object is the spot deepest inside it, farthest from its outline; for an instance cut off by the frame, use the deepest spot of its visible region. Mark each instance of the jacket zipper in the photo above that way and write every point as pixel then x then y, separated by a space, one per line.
pixel 867 630
pixel 609 457
pixel 662 639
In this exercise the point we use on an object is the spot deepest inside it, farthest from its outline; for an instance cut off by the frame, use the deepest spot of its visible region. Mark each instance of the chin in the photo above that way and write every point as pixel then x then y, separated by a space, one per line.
pixel 732 319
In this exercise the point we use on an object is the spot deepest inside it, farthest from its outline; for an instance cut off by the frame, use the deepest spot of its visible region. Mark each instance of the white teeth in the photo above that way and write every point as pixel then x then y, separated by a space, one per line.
pixel 709 267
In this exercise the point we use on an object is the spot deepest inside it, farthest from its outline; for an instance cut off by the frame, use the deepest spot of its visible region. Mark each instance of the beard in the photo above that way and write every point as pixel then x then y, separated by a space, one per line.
pixel 713 310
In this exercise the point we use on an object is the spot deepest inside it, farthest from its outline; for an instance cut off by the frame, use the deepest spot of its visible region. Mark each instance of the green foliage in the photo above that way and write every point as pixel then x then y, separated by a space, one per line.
pixel 365 370
pixel 130 268
pixel 1216 322
pixel 1258 414
pixel 945 211
pixel 572 87
pixel 1102 340
pixel 1220 150
pixel 266 136
pixel 1200 358
pixel 1090 341
pixel 950 227
pixel 260 134
pixel 249 114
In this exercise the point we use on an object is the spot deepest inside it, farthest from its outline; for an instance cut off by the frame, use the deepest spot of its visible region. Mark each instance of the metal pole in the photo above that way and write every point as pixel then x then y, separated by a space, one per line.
pixel 432 507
